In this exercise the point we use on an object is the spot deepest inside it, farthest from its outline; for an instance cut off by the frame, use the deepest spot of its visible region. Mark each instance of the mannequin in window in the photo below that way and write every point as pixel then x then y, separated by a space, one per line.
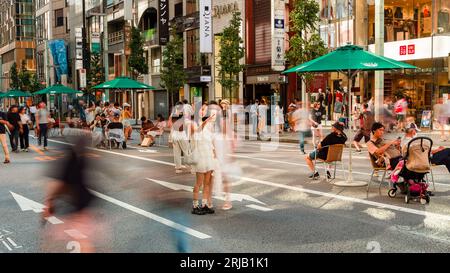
pixel 398 13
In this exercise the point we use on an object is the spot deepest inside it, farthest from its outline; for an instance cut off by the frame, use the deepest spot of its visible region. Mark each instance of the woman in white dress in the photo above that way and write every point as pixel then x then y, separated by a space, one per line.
pixel 279 118
pixel 204 153
pixel 262 118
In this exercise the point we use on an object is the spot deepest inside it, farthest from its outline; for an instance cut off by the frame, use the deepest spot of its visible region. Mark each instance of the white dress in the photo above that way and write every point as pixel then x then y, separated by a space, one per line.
pixel 204 148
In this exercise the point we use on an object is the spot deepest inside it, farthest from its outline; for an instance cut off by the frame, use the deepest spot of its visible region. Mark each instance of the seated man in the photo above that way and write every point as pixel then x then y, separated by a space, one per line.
pixel 380 149
pixel 158 128
pixel 439 156
pixel 336 136
pixel 147 125
pixel 116 124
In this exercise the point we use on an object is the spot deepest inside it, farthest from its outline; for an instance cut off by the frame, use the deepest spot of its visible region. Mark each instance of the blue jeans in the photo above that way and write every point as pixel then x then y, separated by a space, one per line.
pixel 302 140
pixel 43 133
pixel 14 139
pixel 254 123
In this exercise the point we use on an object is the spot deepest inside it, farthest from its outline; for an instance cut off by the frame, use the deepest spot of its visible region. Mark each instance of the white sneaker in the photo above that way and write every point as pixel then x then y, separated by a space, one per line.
pixel 45 149
pixel 178 171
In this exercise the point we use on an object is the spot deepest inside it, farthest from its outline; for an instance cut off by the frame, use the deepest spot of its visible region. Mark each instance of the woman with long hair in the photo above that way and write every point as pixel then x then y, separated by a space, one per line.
pixel 26 121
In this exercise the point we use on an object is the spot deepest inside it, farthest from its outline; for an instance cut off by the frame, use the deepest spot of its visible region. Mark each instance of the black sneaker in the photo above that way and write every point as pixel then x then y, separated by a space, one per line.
pixel 198 211
pixel 208 210
pixel 314 175
pixel 328 175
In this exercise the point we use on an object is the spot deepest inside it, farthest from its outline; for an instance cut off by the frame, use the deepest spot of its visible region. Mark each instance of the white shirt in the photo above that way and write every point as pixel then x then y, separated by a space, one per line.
pixel 187 110
pixel 301 118
pixel 33 109
pixel 24 119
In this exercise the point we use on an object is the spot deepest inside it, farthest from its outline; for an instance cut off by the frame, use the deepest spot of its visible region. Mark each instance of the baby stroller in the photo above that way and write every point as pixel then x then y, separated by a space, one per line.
pixel 415 168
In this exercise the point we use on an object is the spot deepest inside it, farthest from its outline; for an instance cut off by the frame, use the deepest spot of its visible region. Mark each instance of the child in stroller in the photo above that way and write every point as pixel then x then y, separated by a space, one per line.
pixel 413 169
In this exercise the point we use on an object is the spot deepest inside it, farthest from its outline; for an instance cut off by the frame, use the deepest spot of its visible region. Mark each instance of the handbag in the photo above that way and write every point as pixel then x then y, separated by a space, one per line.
pixel 191 157
pixel 146 142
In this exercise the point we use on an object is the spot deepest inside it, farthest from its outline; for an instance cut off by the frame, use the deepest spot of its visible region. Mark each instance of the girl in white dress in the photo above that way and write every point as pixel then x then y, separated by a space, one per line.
pixel 203 149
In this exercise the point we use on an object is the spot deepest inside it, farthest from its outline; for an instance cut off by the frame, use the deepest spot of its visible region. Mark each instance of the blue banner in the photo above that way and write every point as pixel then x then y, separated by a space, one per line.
pixel 59 54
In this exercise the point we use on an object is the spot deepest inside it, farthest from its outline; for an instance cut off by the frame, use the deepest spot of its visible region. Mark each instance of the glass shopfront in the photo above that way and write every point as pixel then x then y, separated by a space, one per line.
pixel 411 19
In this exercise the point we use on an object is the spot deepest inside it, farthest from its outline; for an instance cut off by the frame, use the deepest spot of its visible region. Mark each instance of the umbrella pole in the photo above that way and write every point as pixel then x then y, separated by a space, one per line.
pixel 350 182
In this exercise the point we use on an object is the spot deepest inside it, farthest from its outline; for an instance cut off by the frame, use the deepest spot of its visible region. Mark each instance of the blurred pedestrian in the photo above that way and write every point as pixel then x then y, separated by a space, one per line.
pixel 253 112
pixel 262 119
pixel 440 114
pixel 279 118
pixel 316 122
pixel 367 119
pixel 301 122
pixel 42 120
pixel 125 118
pixel 70 184
pixel 14 120
pixel 179 137
pixel 401 109
pixel 4 124
pixel 24 135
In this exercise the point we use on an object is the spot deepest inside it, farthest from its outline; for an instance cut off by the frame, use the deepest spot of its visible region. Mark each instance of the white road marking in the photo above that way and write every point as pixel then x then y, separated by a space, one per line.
pixel 114 153
pixel 330 195
pixel 233 196
pixel 351 199
pixel 152 216
pixel 13 243
pixel 253 206
pixel 54 221
pixel 7 246
pixel 26 204
pixel 75 234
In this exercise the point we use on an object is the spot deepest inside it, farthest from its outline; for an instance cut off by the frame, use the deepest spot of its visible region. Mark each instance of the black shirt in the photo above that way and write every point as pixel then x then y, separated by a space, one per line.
pixel 330 139
pixel 2 126
pixel 14 119
pixel 115 125
pixel 317 115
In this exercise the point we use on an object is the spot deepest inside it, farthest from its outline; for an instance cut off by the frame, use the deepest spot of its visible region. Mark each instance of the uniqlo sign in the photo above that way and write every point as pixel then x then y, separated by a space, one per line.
pixel 410 50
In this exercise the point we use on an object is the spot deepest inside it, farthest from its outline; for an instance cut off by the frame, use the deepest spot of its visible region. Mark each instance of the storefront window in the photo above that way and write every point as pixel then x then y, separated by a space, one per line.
pixel 336 26
pixel 442 16
pixel 404 19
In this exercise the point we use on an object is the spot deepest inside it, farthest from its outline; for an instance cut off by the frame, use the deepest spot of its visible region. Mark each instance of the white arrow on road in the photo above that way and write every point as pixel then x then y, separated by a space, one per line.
pixel 26 204
pixel 233 196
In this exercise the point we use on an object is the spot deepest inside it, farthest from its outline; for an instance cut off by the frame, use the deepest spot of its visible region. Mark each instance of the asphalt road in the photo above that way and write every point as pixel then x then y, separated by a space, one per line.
pixel 143 206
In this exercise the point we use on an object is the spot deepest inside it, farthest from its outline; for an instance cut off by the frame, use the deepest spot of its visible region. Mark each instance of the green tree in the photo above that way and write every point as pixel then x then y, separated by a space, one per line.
pixel 230 55
pixel 173 76
pixel 96 74
pixel 24 77
pixel 35 85
pixel 136 61
pixel 14 77
pixel 305 44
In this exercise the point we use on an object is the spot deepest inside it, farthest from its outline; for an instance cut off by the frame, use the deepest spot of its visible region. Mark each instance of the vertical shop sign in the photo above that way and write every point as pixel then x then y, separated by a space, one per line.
pixel 163 7
pixel 205 27
pixel 278 32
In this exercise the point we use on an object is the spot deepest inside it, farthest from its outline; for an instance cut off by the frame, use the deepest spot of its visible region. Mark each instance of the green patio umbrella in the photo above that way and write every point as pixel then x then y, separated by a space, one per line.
pixel 15 94
pixel 123 83
pixel 57 89
pixel 350 60
pixel 349 57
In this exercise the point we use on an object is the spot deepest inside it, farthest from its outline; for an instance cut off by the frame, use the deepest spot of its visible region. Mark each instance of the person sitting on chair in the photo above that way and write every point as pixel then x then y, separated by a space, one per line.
pixel 379 149
pixel 116 124
pixel 146 126
pixel 158 128
pixel 337 136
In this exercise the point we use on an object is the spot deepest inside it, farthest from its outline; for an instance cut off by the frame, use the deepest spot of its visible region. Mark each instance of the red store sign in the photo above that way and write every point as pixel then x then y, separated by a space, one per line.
pixel 410 50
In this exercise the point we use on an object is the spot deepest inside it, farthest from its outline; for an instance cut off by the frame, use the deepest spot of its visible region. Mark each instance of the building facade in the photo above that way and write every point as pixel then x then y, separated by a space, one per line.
pixel 17 33
pixel 413 31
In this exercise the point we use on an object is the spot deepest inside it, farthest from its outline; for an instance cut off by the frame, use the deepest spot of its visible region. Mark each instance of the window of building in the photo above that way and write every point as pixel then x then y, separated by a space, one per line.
pixel 59 18
pixel 29 54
